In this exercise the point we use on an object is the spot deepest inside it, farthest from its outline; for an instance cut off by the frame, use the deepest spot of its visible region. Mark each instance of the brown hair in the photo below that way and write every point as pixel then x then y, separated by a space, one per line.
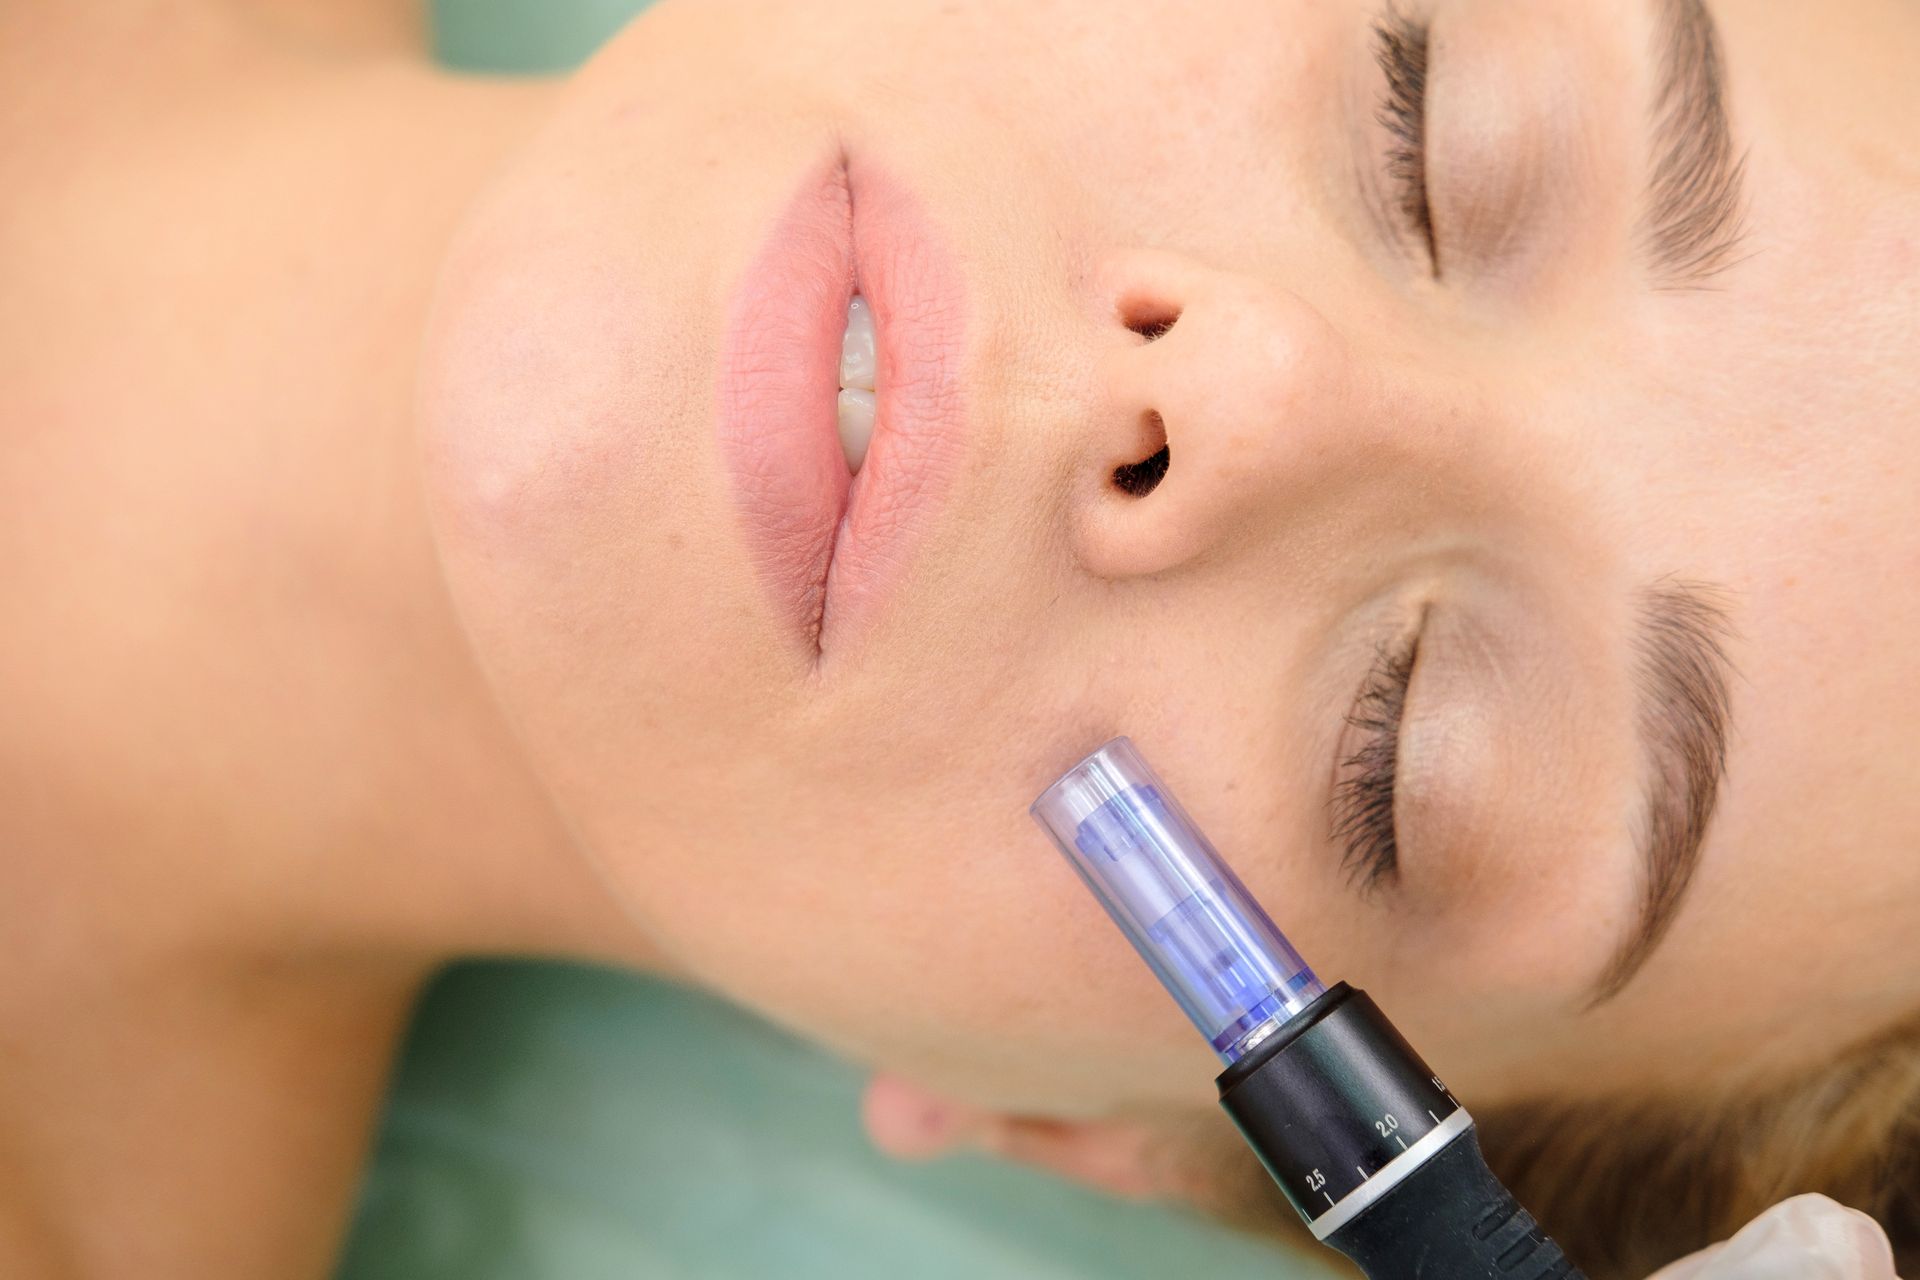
pixel 1628 1185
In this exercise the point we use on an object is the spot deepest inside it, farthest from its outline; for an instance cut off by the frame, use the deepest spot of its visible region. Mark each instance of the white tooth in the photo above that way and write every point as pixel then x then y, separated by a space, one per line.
pixel 857 360
pixel 856 424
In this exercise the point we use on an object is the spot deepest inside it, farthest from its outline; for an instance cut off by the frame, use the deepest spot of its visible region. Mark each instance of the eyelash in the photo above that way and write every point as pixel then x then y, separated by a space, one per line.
pixel 1363 800
pixel 1400 47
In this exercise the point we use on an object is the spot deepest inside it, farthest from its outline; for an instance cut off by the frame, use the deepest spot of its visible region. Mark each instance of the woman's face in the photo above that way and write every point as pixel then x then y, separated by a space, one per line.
pixel 1488 362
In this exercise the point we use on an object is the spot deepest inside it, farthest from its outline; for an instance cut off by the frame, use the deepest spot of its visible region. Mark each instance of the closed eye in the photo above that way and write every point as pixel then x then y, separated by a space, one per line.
pixel 1363 797
pixel 1400 45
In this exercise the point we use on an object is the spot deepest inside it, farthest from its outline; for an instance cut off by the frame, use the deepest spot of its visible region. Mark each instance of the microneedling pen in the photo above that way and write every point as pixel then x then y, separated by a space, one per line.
pixel 1364 1140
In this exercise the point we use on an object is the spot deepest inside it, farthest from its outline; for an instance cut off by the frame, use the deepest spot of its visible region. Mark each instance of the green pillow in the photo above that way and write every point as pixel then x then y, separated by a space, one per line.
pixel 552 1120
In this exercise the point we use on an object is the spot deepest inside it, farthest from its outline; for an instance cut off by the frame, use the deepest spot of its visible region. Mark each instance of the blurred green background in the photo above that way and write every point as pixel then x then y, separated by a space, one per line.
pixel 524 35
pixel 557 1121
pixel 569 1123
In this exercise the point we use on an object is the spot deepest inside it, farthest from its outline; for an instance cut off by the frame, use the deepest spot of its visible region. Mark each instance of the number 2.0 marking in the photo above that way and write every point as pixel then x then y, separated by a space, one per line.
pixel 1386 1124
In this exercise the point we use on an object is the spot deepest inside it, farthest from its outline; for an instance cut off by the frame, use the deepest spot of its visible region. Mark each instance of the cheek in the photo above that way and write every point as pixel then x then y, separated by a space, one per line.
pixel 560 461
pixel 565 399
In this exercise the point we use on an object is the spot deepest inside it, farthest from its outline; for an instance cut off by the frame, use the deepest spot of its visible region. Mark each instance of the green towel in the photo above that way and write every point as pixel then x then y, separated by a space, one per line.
pixel 576 1123
pixel 524 35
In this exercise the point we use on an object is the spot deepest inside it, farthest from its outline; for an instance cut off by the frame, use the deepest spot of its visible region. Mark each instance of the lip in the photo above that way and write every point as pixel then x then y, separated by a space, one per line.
pixel 829 546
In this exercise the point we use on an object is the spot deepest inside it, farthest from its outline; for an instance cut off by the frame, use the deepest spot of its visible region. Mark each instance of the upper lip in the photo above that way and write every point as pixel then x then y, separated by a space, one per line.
pixel 827 545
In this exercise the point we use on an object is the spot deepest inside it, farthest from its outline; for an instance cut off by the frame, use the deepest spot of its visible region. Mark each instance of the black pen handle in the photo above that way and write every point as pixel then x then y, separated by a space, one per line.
pixel 1376 1154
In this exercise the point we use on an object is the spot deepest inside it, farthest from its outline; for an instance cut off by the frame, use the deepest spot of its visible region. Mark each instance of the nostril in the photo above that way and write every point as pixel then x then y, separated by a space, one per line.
pixel 1148 318
pixel 1138 479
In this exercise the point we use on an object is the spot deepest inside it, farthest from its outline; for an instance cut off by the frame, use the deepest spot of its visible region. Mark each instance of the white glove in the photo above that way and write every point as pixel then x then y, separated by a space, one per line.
pixel 1805 1238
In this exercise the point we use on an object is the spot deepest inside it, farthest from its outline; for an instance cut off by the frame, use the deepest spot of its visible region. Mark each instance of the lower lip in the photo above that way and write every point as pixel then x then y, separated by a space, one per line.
pixel 829 546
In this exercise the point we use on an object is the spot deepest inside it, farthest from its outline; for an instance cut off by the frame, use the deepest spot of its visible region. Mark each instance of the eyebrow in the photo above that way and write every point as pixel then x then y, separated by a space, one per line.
pixel 1695 220
pixel 1682 677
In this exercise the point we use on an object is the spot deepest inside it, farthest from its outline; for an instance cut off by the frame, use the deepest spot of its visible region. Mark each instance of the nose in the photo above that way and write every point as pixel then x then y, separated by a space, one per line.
pixel 1236 396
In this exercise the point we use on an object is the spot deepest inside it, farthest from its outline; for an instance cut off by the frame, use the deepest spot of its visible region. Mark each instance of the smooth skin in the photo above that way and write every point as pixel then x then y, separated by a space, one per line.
pixel 375 592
